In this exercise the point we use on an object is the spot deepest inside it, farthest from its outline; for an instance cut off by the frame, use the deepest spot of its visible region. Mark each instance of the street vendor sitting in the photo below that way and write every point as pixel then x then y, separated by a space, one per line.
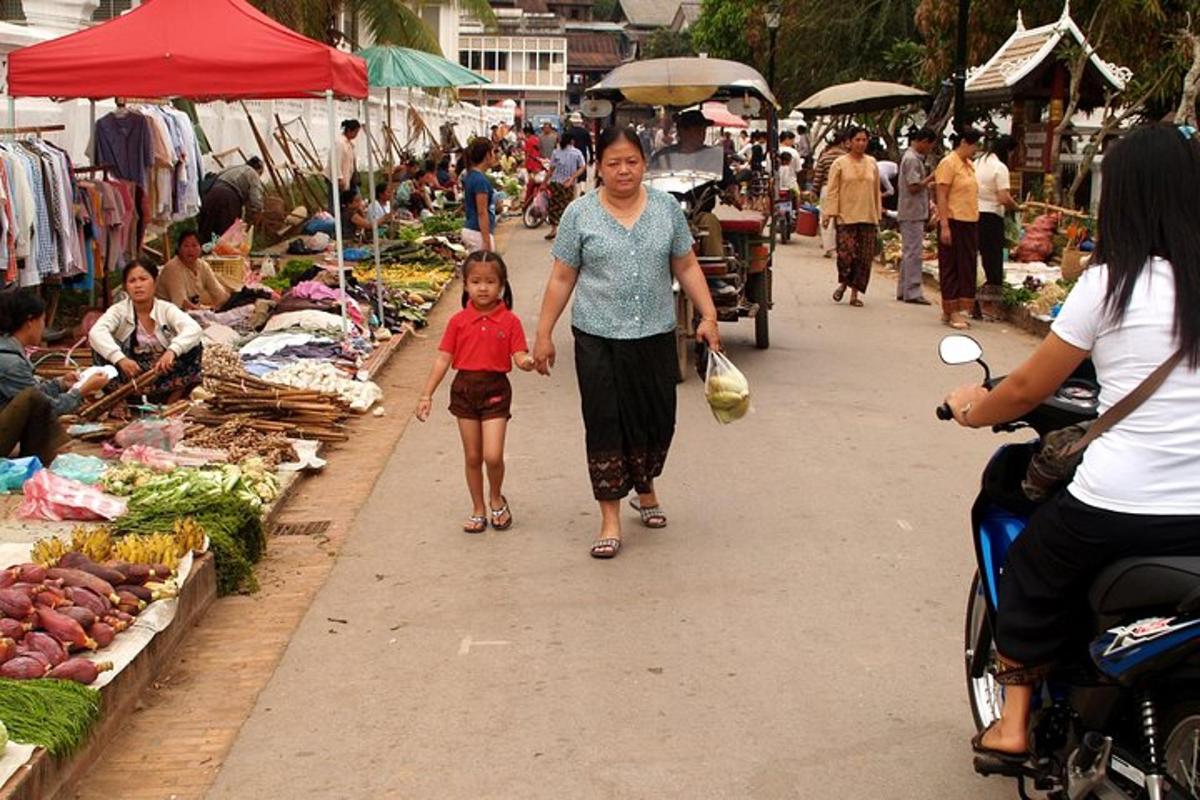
pixel 692 154
pixel 29 406
pixel 143 335
pixel 188 281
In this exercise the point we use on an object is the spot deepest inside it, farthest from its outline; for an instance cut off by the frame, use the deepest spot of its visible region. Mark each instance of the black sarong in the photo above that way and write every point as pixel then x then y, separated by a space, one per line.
pixel 219 209
pixel 627 387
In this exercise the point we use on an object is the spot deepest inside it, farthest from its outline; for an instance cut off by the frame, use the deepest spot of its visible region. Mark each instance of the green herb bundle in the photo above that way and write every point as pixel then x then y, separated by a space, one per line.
pixel 49 713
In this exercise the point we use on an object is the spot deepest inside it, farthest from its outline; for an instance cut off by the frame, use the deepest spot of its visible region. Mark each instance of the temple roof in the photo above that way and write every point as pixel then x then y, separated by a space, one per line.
pixel 1020 59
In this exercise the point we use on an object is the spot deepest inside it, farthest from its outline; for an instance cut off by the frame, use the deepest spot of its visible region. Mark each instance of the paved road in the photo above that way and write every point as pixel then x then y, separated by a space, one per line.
pixel 794 633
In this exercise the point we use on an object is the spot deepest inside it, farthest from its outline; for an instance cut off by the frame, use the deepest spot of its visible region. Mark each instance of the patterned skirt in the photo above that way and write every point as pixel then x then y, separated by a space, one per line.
pixel 560 197
pixel 855 252
pixel 627 387
pixel 184 376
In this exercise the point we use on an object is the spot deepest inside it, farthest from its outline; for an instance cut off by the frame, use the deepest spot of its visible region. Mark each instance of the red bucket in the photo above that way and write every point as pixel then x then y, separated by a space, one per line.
pixel 806 223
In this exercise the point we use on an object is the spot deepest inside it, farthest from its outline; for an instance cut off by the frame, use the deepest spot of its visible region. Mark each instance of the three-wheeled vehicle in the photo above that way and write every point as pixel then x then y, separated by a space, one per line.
pixel 739 278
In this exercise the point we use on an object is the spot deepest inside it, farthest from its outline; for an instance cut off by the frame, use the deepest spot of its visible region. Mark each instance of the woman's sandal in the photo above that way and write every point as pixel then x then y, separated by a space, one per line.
pixel 650 513
pixel 475 524
pixel 839 293
pixel 497 513
pixel 856 303
pixel 979 747
pixel 606 548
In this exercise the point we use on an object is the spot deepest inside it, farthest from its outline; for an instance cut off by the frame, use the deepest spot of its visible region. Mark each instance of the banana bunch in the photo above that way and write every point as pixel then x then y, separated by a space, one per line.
pixel 155 548
pixel 95 542
pixel 188 534
pixel 728 396
pixel 48 551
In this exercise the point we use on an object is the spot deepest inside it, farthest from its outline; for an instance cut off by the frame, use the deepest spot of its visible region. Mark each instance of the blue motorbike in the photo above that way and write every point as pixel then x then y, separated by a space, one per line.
pixel 1120 718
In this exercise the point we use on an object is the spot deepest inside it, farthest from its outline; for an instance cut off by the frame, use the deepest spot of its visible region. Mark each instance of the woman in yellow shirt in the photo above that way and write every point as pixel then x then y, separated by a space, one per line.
pixel 855 205
pixel 958 232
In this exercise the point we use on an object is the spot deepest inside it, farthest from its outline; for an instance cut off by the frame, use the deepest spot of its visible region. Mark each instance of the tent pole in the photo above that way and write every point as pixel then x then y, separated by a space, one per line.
pixel 391 162
pixel 337 209
pixel 374 222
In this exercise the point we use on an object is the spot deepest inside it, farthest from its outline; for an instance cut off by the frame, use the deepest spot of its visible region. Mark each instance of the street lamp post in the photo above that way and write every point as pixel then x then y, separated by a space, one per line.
pixel 772 20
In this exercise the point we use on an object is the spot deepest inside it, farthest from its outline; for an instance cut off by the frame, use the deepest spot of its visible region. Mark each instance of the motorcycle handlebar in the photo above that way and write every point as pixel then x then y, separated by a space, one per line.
pixel 944 413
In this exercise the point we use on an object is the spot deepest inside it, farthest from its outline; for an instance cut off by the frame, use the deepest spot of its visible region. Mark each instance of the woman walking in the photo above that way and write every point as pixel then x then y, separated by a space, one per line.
pixel 479 205
pixel 958 239
pixel 854 204
pixel 618 251
pixel 566 166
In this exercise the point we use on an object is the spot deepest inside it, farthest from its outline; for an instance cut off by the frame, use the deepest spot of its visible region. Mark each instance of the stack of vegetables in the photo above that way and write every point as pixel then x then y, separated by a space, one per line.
pixel 67 602
pixel 54 714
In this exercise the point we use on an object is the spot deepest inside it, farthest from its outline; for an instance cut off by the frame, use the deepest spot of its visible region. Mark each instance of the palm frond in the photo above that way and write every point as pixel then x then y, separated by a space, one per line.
pixel 394 22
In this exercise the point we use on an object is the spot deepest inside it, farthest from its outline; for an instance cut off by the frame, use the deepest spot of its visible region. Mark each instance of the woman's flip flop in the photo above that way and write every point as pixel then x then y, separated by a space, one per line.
pixel 652 516
pixel 979 747
pixel 606 548
pixel 475 524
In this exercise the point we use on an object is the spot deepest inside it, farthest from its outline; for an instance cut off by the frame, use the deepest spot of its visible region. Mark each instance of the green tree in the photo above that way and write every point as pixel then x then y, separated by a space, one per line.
pixel 389 21
pixel 722 28
pixel 666 43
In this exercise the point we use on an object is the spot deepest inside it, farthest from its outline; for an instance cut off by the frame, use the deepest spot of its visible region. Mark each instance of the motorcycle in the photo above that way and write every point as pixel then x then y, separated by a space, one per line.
pixel 1120 718
pixel 536 208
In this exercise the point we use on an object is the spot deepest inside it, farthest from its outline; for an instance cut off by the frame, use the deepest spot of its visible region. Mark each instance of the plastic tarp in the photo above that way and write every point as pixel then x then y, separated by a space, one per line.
pixel 200 49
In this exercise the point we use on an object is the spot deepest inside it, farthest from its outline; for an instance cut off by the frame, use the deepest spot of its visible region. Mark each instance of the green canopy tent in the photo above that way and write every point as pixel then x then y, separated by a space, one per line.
pixel 391 67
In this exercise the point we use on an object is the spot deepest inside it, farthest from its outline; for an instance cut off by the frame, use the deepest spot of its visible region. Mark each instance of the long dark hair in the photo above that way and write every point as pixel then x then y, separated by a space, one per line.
pixel 18 306
pixel 1149 206
pixel 487 257
pixel 478 152
pixel 610 136
pixel 1002 147
pixel 139 263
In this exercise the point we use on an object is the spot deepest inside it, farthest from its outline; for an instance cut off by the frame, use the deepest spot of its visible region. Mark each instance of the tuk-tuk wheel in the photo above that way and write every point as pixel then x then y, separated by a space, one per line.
pixel 759 291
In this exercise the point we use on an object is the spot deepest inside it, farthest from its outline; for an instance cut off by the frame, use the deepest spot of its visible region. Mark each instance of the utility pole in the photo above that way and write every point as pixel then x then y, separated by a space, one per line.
pixel 772 18
pixel 960 65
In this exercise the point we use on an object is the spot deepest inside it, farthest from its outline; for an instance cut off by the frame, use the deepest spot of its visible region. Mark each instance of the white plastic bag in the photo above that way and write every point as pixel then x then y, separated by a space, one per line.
pixel 726 389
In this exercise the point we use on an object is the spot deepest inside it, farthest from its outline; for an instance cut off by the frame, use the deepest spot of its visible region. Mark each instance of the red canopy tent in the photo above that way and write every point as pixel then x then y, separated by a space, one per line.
pixel 200 49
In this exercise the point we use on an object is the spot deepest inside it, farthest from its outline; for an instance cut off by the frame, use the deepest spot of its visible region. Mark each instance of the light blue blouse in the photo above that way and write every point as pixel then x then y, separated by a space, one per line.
pixel 624 286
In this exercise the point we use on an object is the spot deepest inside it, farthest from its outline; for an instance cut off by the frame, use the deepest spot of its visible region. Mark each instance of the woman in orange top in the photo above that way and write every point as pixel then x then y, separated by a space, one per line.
pixel 958 239
pixel 854 202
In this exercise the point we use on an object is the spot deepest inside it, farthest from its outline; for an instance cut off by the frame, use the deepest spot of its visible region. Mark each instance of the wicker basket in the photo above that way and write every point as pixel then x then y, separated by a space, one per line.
pixel 230 270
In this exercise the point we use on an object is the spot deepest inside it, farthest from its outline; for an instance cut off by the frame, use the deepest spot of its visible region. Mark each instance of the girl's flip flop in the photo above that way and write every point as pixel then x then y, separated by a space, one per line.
pixel 497 513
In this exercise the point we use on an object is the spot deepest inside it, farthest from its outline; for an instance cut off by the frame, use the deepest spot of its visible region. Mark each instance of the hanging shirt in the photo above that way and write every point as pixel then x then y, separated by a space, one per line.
pixel 124 142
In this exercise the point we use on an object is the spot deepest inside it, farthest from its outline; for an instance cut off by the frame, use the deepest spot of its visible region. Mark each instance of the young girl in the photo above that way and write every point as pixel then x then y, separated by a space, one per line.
pixel 482 341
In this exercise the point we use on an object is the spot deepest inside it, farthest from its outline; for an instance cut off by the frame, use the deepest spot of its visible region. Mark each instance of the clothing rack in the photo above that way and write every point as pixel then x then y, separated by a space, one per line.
pixel 101 270
pixel 103 168
pixel 37 129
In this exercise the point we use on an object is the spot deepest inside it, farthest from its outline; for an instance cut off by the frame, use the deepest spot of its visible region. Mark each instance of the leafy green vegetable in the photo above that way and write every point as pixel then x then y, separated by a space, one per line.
pixel 53 714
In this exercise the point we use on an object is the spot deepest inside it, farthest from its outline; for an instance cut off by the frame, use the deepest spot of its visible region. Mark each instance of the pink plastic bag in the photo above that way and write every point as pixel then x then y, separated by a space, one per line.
pixel 49 496
pixel 163 434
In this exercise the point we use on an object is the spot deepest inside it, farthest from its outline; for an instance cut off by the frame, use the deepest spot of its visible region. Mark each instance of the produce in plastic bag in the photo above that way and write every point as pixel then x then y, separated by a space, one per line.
pixel 85 469
pixel 726 389
pixel 152 432
pixel 48 496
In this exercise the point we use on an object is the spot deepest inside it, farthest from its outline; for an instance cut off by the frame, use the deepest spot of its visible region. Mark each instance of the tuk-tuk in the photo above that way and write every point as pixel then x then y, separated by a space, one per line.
pixel 740 279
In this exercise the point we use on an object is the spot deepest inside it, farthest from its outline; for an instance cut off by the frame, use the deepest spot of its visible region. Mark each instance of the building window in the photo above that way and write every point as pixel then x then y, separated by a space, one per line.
pixel 12 11
pixel 495 61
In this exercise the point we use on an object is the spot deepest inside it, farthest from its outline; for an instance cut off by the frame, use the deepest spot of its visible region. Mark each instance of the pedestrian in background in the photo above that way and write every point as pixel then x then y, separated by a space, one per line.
pixel 547 139
pixel 832 152
pixel 347 169
pixel 995 198
pixel 912 211
pixel 958 238
pixel 619 251
pixel 479 204
pixel 854 206
pixel 566 167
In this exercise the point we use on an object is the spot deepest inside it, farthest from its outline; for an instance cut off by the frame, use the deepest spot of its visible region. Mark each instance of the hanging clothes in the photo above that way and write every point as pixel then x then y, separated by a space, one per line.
pixel 124 141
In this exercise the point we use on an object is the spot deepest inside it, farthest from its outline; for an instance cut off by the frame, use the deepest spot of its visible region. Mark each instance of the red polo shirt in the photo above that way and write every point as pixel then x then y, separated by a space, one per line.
pixel 484 342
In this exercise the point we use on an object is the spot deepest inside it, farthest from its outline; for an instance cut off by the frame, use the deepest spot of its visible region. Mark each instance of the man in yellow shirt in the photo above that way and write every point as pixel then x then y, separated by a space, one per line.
pixel 958 234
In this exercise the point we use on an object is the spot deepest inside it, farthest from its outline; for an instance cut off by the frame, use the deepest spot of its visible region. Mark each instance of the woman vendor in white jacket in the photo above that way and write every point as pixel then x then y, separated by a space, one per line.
pixel 144 334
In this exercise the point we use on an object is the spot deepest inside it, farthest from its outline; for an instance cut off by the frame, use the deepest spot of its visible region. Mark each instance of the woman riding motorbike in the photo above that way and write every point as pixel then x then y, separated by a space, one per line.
pixel 1137 491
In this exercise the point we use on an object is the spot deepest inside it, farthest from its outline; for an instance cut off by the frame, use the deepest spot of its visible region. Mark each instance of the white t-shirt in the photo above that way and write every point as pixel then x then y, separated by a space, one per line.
pixel 1149 463
pixel 992 175
pixel 888 172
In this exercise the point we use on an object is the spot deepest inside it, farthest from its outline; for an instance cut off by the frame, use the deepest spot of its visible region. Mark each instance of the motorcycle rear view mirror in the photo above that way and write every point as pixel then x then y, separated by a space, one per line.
pixel 959 349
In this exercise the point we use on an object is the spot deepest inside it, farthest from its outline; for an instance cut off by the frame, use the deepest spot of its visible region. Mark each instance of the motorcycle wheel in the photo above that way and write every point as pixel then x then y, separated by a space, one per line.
pixel 785 229
pixel 1182 748
pixel 986 696
pixel 531 217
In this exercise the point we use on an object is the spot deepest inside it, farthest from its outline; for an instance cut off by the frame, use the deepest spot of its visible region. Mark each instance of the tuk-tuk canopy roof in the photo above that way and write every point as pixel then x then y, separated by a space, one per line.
pixel 682 82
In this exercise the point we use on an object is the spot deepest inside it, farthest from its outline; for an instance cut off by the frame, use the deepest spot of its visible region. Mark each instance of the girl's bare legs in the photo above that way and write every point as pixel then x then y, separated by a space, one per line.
pixel 493 432
pixel 472 439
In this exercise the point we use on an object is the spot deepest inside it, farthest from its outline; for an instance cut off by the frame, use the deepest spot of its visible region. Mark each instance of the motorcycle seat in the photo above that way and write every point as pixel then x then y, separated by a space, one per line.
pixel 1136 584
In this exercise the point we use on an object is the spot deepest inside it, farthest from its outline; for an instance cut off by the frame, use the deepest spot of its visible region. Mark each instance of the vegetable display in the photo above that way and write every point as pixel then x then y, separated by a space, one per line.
pixel 54 714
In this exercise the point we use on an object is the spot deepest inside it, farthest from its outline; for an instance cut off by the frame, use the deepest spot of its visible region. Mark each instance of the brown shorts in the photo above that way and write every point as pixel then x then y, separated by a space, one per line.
pixel 481 395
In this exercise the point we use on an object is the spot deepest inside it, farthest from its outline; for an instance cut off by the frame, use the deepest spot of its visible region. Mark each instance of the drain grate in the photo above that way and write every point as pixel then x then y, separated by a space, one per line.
pixel 311 528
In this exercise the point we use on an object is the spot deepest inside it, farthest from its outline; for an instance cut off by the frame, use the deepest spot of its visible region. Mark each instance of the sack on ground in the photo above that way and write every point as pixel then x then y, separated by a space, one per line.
pixel 726 389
